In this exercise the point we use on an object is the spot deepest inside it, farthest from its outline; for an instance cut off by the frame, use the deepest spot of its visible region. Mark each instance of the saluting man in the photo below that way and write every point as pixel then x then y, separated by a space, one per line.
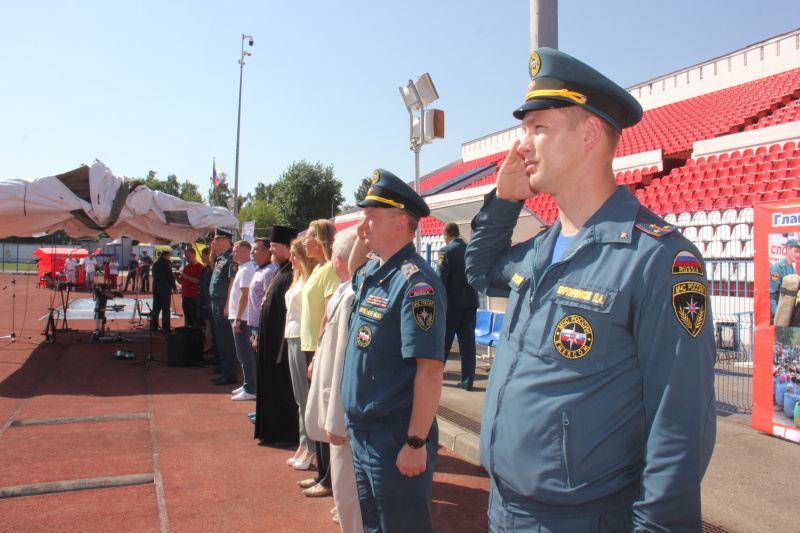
pixel 392 377
pixel 600 412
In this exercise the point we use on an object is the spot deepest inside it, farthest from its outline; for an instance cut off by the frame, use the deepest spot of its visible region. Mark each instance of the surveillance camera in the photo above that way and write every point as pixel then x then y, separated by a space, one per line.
pixel 251 42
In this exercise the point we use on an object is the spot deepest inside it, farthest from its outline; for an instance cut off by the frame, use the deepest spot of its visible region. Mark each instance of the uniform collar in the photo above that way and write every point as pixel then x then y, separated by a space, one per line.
pixel 383 271
pixel 614 221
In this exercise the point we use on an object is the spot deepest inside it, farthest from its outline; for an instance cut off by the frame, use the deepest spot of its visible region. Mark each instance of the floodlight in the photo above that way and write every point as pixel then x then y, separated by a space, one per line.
pixel 419 93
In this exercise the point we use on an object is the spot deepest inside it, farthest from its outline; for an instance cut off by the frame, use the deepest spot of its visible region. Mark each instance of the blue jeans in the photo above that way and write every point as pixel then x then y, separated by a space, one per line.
pixel 224 344
pixel 244 350
pixel 391 502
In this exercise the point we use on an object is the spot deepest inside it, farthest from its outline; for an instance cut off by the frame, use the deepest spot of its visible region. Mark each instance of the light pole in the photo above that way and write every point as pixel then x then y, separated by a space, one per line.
pixel 249 40
pixel 417 95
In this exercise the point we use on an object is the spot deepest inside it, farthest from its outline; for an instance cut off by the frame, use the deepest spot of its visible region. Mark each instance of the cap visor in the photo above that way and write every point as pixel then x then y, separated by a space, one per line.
pixel 539 104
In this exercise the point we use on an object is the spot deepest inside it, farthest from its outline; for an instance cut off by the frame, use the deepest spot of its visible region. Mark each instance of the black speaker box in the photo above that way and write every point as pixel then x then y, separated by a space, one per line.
pixel 185 346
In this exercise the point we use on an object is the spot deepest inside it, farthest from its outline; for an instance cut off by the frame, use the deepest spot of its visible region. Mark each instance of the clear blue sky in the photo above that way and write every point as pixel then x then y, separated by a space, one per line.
pixel 154 84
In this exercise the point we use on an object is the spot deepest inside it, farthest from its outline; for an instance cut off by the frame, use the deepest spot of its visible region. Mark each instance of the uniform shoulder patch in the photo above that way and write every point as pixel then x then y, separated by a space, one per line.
pixel 424 312
pixel 775 276
pixel 409 269
pixel 689 304
pixel 652 224
pixel 441 260
pixel 234 266
pixel 687 263
pixel 421 289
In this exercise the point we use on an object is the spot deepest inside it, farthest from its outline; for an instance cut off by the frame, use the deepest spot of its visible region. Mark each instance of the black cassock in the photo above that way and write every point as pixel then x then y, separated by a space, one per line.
pixel 276 409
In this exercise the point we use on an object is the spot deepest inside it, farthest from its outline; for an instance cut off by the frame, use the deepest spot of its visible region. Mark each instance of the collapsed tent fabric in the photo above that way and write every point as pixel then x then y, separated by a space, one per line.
pixel 88 201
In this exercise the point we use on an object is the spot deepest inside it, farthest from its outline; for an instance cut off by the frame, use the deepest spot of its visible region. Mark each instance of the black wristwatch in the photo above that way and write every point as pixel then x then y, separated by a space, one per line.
pixel 416 442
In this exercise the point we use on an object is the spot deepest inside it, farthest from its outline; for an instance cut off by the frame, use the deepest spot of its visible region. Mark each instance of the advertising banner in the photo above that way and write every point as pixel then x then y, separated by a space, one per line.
pixel 776 377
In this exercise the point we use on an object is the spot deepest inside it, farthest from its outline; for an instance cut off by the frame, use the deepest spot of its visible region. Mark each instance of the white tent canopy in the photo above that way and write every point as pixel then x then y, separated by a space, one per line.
pixel 89 201
pixel 462 206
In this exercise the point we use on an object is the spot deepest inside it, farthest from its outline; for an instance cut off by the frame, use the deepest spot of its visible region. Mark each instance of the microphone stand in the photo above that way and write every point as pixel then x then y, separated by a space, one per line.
pixel 13 284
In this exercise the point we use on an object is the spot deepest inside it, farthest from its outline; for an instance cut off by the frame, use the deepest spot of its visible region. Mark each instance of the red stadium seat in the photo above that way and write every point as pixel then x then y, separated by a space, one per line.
pixel 789 145
pixel 761 150
pixel 758 187
pixel 791 184
pixel 789 195
pixel 770 196
pixel 775 148
pixel 775 185
pixel 748 153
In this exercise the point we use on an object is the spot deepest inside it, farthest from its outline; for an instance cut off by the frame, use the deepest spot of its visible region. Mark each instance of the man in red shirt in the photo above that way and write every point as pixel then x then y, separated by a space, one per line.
pixel 189 289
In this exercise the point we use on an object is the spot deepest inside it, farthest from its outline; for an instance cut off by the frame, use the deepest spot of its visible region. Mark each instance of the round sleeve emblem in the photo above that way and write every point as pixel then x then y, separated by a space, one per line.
pixel 573 337
pixel 364 337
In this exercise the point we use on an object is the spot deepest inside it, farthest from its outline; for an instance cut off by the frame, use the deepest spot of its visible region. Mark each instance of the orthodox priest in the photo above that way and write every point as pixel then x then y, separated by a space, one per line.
pixel 276 410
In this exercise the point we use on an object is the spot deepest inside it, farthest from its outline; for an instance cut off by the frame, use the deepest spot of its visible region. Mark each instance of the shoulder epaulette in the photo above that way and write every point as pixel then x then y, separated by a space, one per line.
pixel 652 224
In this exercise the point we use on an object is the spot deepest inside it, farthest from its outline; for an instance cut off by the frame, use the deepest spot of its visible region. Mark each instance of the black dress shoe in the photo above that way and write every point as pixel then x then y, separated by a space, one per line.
pixel 466 387
pixel 230 381
pixel 460 385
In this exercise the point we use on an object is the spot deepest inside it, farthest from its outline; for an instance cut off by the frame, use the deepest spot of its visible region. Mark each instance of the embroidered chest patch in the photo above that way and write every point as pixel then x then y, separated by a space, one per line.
pixel 689 303
pixel 573 337
pixel 424 312
pixel 364 337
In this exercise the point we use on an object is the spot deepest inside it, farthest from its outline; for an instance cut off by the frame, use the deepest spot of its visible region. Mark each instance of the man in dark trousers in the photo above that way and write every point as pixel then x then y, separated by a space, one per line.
pixel 144 271
pixel 462 302
pixel 276 410
pixel 163 287
pixel 133 269
pixel 219 292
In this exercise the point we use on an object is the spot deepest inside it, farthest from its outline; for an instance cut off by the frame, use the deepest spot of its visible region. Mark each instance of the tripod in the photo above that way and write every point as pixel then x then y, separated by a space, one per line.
pixel 150 358
pixel 13 284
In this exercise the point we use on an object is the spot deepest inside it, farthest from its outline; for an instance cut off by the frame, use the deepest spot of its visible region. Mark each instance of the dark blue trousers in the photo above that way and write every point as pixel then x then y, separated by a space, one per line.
pixel 461 322
pixel 224 344
pixel 390 501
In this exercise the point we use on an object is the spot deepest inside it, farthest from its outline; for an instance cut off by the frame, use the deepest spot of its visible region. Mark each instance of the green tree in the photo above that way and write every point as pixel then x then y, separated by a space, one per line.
pixel 265 192
pixel 263 213
pixel 190 193
pixel 306 192
pixel 171 186
pixel 361 192
pixel 219 194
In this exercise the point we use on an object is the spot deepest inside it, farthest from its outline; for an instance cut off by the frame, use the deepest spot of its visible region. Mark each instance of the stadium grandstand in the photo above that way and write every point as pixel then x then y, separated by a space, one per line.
pixel 715 139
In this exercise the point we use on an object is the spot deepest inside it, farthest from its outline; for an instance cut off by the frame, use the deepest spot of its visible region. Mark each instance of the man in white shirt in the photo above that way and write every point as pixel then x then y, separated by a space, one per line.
pixel 71 268
pixel 238 314
pixel 89 267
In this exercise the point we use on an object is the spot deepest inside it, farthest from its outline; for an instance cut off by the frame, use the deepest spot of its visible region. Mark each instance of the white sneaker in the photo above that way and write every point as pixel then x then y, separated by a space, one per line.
pixel 237 391
pixel 243 396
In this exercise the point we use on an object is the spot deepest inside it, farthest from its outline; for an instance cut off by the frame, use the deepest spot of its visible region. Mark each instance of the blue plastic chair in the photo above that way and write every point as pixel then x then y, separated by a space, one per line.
pixel 486 338
pixel 483 323
pixel 496 328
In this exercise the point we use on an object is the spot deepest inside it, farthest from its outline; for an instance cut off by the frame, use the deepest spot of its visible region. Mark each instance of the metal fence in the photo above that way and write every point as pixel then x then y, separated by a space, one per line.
pixel 731 289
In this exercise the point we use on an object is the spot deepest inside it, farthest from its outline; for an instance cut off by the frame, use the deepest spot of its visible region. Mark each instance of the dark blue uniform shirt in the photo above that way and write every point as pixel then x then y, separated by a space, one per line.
pixel 224 270
pixel 398 315
pixel 603 381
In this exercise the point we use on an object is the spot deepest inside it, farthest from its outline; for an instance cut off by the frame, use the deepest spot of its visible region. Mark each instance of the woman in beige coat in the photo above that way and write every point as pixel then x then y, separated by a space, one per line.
pixel 324 412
